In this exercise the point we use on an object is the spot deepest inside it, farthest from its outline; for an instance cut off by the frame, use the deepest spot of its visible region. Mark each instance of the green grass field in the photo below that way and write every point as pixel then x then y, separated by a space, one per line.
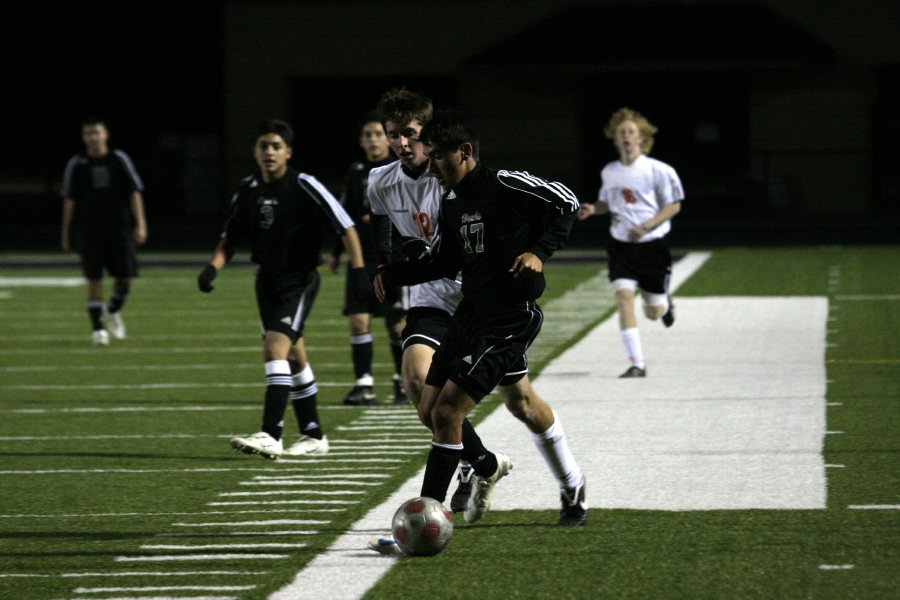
pixel 117 479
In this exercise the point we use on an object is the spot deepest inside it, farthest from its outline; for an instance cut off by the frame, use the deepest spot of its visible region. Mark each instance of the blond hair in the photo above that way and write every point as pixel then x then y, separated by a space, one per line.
pixel 645 127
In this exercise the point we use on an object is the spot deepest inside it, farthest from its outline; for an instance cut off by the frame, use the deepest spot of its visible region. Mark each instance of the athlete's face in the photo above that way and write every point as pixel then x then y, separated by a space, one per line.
pixel 373 141
pixel 449 165
pixel 404 141
pixel 628 139
pixel 95 138
pixel 271 153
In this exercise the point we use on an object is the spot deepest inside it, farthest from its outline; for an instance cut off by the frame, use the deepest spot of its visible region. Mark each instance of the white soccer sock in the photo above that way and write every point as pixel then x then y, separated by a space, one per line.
pixel 554 447
pixel 303 383
pixel 631 340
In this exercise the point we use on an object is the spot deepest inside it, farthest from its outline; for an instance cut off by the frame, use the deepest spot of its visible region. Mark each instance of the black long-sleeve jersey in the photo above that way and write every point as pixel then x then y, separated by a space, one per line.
pixel 101 188
pixel 284 221
pixel 488 220
pixel 356 203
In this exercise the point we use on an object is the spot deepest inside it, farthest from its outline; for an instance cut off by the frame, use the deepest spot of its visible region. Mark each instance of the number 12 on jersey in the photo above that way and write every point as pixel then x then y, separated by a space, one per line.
pixel 477 231
pixel 423 223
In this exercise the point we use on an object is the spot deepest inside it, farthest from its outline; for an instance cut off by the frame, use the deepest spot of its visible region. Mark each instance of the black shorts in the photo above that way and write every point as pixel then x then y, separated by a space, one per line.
pixel 113 251
pixel 285 301
pixel 650 264
pixel 394 304
pixel 485 348
pixel 425 325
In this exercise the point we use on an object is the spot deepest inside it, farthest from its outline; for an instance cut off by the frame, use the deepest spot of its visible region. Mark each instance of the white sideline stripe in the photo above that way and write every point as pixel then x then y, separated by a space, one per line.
pixel 331 457
pixel 133 574
pixel 867 297
pixel 236 533
pixel 379 427
pixel 836 567
pixel 169 597
pixel 168 436
pixel 41 281
pixel 328 570
pixel 254 523
pixel 296 482
pixel 193 470
pixel 294 492
pixel 169 350
pixel 185 557
pixel 272 502
pixel 326 477
pixel 156 386
pixel 874 506
pixel 129 409
pixel 164 588
pixel 170 514
pixel 221 546
pixel 173 367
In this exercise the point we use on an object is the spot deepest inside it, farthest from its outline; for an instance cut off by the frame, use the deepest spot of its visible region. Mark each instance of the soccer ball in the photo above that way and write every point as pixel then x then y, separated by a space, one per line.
pixel 422 527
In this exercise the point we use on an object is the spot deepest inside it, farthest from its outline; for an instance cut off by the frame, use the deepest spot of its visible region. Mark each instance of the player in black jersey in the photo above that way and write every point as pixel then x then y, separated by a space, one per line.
pixel 103 197
pixel 280 213
pixel 498 227
pixel 374 143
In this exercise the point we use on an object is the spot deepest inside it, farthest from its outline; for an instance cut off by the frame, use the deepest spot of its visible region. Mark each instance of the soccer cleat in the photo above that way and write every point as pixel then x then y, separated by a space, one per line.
pixel 259 443
pixel 385 546
pixel 483 488
pixel 399 396
pixel 669 318
pixel 308 445
pixel 461 496
pixel 361 395
pixel 574 507
pixel 633 372
pixel 100 337
pixel 116 325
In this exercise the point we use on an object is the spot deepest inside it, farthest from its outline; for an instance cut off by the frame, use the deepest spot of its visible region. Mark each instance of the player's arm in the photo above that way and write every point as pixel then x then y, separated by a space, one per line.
pixel 225 248
pixel 589 209
pixel 67 214
pixel 140 221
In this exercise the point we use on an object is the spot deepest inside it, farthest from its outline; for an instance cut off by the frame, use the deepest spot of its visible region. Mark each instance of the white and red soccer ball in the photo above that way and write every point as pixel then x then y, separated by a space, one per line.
pixel 422 527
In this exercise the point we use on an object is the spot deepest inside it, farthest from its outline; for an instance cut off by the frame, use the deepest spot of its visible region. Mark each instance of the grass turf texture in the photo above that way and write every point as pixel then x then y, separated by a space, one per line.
pixel 639 554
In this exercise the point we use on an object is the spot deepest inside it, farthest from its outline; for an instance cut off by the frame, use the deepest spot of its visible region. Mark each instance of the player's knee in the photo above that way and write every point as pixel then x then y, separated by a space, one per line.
pixel 518 400
pixel 444 415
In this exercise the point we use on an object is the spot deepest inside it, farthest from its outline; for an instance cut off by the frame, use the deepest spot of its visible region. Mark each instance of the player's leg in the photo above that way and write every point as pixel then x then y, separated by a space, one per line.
pixel 304 398
pixel 628 330
pixel 117 297
pixel 94 293
pixel 549 437
pixel 450 405
pixel 267 442
pixel 122 261
pixel 395 324
pixel 361 352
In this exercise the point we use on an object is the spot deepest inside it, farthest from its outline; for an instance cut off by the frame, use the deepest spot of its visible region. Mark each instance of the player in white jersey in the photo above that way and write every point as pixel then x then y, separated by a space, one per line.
pixel 642 195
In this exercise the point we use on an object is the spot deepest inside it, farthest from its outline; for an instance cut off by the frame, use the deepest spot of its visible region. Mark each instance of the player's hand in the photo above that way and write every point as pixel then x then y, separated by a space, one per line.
pixel 587 209
pixel 206 277
pixel 637 232
pixel 140 235
pixel 378 284
pixel 333 263
pixel 360 284
pixel 415 249
pixel 526 264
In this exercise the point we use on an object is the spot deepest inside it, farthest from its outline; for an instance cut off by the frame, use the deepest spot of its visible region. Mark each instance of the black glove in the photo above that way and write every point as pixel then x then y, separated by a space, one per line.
pixel 205 278
pixel 360 284
pixel 415 248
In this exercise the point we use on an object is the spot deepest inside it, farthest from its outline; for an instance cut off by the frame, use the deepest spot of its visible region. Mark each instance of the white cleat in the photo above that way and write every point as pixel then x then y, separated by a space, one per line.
pixel 480 500
pixel 385 546
pixel 308 445
pixel 101 337
pixel 259 443
pixel 116 325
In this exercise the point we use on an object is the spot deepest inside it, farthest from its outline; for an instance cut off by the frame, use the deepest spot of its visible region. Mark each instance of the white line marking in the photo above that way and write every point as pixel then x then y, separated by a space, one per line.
pixel 835 466
pixel 311 492
pixel 174 514
pixel 134 574
pixel 254 523
pixel 326 477
pixel 295 482
pixel 183 557
pixel 165 588
pixel 874 506
pixel 41 281
pixel 865 297
pixel 221 546
pixel 171 367
pixel 193 470
pixel 273 502
pixel 208 534
pixel 836 567
pixel 159 386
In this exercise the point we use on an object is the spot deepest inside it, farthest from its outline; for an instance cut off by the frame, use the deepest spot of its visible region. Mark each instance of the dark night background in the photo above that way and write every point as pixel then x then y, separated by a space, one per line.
pixel 181 85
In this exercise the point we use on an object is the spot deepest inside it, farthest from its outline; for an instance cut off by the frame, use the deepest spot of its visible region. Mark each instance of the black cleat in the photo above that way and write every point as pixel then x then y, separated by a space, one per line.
pixel 574 507
pixel 633 372
pixel 361 395
pixel 669 318
pixel 461 495
pixel 399 396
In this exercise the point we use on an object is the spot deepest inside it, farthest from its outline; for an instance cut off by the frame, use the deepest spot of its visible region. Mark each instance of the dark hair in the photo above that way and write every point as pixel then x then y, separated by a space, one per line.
pixel 93 120
pixel 370 117
pixel 403 106
pixel 277 127
pixel 448 129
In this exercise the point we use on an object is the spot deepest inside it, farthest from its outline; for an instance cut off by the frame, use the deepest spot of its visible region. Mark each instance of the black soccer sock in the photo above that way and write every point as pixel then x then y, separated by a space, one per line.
pixel 397 350
pixel 304 398
pixel 278 386
pixel 361 350
pixel 483 461
pixel 439 470
pixel 116 300
pixel 95 312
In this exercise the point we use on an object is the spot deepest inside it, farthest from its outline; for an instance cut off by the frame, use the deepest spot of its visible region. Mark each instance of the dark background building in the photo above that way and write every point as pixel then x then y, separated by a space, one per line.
pixel 782 116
